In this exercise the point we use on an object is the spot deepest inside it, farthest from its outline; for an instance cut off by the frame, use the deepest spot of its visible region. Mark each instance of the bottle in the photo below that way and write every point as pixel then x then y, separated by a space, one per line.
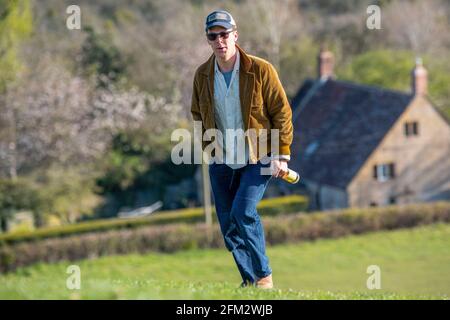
pixel 291 176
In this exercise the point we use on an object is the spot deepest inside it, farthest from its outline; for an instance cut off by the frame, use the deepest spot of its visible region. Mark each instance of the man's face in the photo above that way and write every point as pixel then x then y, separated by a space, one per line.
pixel 223 48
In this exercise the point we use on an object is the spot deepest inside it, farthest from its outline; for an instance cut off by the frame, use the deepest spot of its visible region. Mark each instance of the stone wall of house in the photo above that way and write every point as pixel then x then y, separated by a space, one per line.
pixel 422 162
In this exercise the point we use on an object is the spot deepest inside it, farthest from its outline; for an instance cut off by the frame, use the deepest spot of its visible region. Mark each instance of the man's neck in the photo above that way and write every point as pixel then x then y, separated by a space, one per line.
pixel 227 65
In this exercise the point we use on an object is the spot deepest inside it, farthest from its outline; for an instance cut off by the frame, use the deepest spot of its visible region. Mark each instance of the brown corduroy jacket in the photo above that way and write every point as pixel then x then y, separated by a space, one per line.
pixel 264 103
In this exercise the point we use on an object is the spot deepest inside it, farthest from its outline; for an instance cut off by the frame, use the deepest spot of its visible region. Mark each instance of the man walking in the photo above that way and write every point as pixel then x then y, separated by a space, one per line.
pixel 236 91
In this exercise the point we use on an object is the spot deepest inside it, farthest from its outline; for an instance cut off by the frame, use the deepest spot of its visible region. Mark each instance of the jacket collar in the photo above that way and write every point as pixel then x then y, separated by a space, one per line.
pixel 245 63
pixel 246 84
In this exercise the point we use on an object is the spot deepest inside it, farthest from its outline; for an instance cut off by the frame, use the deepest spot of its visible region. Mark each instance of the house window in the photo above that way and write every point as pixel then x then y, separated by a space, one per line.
pixel 411 129
pixel 384 172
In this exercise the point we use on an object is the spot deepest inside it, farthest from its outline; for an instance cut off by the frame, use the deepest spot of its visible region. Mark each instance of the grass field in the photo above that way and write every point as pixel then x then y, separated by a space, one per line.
pixel 414 263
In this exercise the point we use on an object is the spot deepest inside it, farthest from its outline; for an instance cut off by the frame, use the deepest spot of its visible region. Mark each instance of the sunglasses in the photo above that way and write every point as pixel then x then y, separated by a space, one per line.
pixel 213 36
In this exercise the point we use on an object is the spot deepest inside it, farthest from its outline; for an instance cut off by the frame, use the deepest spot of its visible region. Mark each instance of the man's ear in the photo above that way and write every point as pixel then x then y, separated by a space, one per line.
pixel 236 36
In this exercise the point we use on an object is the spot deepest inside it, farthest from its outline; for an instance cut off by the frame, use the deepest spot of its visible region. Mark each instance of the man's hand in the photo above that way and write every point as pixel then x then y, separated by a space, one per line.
pixel 279 168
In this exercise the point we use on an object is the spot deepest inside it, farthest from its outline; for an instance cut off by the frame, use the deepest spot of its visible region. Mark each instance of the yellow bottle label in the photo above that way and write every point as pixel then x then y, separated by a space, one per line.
pixel 291 176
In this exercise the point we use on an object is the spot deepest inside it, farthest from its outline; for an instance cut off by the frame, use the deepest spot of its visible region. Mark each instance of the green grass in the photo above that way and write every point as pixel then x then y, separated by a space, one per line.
pixel 414 263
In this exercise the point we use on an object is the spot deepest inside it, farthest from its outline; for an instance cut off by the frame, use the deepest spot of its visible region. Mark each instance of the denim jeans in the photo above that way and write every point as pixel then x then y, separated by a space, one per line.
pixel 236 194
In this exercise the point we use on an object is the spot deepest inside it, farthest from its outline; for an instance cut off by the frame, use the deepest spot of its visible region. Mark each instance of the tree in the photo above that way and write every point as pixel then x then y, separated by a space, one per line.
pixel 297 63
pixel 65 120
pixel 384 68
pixel 277 22
pixel 15 25
pixel 392 69
pixel 100 56
pixel 419 26
pixel 17 195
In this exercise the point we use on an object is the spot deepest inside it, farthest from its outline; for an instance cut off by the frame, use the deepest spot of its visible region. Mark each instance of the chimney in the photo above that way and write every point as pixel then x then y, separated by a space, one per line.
pixel 325 64
pixel 419 79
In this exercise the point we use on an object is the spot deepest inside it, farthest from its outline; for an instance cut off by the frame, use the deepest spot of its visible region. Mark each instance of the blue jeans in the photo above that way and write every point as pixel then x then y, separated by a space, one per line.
pixel 236 194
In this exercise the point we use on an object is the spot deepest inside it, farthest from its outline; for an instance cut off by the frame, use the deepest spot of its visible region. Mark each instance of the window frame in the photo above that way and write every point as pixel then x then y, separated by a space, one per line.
pixel 411 128
pixel 384 171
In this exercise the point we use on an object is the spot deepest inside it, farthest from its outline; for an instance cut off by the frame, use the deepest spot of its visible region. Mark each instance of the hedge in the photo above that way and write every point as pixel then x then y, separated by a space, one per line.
pixel 173 237
pixel 267 207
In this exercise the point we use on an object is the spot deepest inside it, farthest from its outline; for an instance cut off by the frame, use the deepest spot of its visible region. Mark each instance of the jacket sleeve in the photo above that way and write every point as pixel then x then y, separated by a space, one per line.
pixel 195 107
pixel 278 108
